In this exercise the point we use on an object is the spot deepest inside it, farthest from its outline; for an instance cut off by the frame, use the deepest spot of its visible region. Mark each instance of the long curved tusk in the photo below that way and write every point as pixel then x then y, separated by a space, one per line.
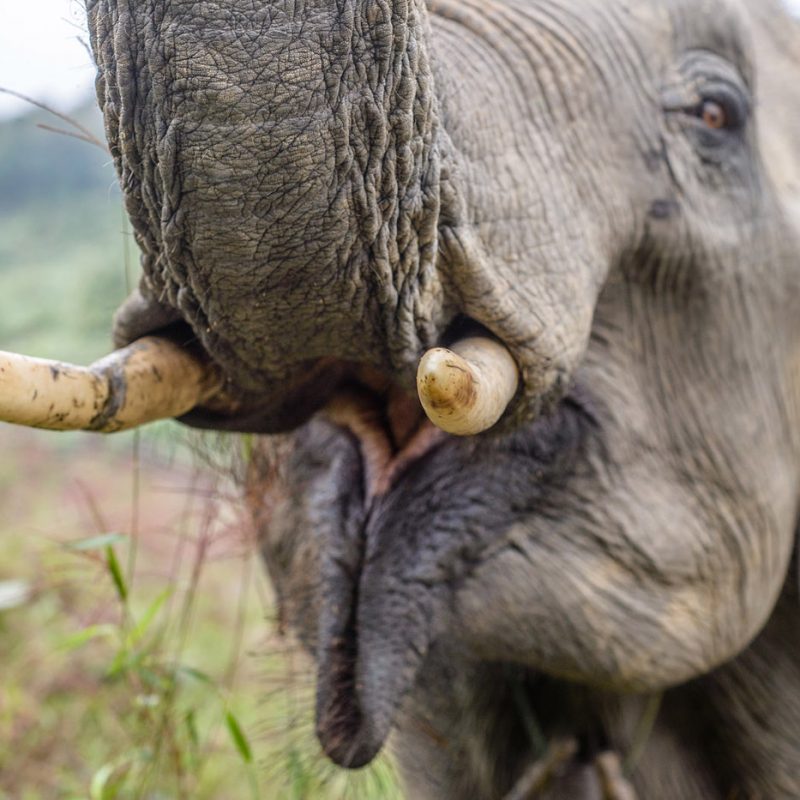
pixel 148 380
pixel 466 389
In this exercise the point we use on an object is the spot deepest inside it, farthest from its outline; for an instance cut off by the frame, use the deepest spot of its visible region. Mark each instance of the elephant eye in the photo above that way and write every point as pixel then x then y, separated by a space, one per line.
pixel 709 101
pixel 723 110
pixel 713 115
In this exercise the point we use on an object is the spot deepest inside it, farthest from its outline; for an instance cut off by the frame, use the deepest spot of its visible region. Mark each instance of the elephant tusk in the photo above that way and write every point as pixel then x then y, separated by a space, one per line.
pixel 151 379
pixel 466 389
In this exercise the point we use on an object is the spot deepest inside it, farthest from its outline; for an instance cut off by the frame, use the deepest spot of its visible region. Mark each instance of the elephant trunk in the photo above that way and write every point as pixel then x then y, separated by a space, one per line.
pixel 281 165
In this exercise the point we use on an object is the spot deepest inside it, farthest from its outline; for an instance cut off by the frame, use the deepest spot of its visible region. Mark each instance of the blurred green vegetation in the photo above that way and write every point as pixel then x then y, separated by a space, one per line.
pixel 63 240
pixel 140 656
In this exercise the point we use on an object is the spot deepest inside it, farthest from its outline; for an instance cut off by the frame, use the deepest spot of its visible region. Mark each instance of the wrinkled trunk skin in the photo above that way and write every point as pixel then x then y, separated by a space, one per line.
pixel 281 166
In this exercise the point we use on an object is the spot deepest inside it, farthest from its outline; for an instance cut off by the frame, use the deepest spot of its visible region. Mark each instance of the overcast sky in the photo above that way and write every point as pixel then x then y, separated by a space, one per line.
pixel 41 52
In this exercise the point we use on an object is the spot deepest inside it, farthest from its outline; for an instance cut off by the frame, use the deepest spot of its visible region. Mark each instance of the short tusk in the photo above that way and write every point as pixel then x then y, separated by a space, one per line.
pixel 148 380
pixel 466 389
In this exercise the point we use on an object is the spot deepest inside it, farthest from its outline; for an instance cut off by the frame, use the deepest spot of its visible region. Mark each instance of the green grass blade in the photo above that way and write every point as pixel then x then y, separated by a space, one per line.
pixel 96 542
pixel 97 789
pixel 116 574
pixel 181 672
pixel 190 719
pixel 238 737
pixel 79 639
pixel 147 618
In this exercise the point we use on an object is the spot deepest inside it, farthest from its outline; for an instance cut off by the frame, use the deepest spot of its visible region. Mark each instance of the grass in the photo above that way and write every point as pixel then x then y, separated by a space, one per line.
pixel 140 658
pixel 150 674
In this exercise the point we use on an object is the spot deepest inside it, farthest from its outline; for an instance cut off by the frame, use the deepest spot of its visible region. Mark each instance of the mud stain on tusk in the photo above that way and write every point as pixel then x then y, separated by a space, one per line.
pixel 467 388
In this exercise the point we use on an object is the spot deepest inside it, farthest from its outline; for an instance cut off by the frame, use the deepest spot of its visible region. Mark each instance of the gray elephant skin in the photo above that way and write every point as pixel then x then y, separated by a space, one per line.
pixel 323 189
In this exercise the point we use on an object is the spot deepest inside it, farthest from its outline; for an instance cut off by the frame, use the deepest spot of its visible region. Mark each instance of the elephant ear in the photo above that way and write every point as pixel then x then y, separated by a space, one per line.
pixel 777 40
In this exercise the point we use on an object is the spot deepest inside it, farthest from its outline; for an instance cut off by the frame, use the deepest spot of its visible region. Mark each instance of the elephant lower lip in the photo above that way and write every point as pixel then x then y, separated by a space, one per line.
pixel 344 730
pixel 369 650
pixel 369 653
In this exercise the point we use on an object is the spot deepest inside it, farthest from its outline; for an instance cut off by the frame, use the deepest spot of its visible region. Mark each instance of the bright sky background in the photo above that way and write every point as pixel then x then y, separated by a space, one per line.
pixel 41 53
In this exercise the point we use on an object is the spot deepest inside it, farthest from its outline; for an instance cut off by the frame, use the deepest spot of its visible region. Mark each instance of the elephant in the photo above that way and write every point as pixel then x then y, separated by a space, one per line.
pixel 596 595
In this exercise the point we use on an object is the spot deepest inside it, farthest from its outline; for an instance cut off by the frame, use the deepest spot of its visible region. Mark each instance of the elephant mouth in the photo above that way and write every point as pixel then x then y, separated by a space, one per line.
pixel 464 390
pixel 390 572
pixel 366 662
pixel 388 424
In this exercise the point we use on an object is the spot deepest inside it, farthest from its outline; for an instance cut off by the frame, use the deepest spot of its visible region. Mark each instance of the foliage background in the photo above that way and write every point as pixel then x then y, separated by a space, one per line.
pixel 138 649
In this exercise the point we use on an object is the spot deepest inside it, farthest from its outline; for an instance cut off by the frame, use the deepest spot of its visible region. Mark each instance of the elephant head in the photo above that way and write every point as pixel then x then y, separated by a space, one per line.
pixel 322 191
